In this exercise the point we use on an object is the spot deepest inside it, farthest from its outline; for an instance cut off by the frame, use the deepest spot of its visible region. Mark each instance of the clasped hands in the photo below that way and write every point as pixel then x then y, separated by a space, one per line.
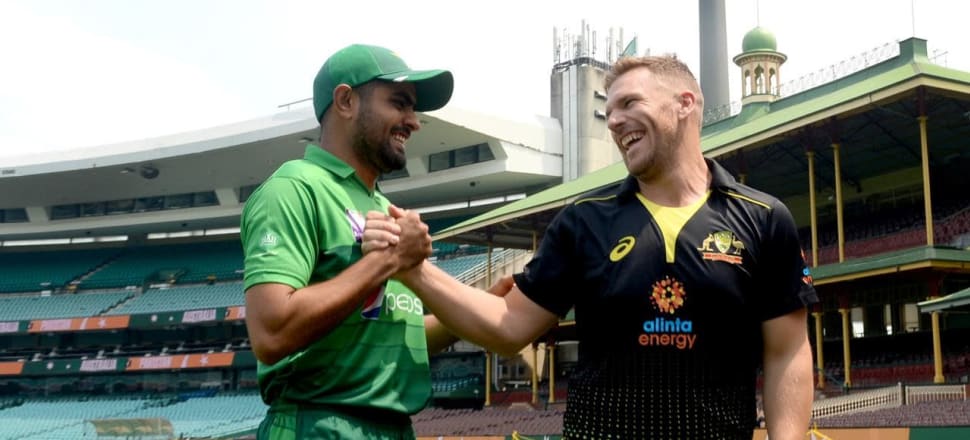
pixel 400 234
pixel 404 237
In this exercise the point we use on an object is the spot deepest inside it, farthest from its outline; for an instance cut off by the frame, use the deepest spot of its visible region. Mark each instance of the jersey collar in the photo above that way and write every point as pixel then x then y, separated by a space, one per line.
pixel 326 160
pixel 720 178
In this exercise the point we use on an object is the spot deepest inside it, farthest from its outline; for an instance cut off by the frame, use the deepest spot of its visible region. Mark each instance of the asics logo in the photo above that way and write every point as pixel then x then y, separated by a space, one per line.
pixel 622 248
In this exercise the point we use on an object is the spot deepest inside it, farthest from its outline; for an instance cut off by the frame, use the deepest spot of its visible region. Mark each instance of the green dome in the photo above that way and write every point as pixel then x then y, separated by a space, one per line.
pixel 759 39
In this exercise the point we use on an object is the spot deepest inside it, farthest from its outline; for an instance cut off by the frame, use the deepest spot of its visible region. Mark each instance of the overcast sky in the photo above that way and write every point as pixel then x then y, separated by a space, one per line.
pixel 84 73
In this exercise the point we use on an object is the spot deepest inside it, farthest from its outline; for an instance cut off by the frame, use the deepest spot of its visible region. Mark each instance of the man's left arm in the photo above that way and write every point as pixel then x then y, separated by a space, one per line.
pixel 788 385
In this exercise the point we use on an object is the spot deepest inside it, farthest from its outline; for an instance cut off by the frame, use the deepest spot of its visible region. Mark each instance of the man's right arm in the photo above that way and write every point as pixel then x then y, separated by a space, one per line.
pixel 281 320
pixel 280 233
pixel 500 324
pixel 503 324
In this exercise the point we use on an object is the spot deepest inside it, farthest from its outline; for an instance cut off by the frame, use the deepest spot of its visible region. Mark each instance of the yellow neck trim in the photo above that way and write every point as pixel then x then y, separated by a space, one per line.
pixel 671 220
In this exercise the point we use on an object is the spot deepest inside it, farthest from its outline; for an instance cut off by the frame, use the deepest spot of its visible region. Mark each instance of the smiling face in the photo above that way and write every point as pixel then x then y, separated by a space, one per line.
pixel 385 121
pixel 645 116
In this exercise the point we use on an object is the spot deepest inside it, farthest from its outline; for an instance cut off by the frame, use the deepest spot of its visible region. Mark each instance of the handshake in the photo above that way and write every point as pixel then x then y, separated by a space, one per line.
pixel 400 234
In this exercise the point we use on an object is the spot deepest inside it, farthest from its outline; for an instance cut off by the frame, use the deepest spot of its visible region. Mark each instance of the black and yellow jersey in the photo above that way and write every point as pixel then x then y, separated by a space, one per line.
pixel 669 304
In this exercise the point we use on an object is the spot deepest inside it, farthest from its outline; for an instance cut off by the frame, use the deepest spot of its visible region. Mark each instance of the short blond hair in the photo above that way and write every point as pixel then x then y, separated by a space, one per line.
pixel 666 66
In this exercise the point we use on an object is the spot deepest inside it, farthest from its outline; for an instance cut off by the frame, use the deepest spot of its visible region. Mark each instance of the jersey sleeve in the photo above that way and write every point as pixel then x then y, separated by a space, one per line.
pixel 786 283
pixel 551 277
pixel 279 234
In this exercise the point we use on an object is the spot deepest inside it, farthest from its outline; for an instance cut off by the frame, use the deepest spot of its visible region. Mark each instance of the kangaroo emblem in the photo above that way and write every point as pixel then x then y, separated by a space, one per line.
pixel 706 244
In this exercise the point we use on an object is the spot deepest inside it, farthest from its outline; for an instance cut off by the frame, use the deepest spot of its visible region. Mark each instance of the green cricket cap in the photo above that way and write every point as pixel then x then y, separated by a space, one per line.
pixel 357 64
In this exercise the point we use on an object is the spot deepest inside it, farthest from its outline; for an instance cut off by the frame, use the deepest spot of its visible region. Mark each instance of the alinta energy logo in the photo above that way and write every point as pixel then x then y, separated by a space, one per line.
pixel 668 295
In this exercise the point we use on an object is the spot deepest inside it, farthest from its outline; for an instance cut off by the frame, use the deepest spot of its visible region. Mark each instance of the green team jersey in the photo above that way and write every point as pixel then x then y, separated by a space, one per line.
pixel 303 226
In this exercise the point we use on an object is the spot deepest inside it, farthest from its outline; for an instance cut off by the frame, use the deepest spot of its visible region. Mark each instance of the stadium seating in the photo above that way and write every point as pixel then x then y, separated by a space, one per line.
pixel 184 263
pixel 193 297
pixel 47 270
pixel 58 306
pixel 210 416
pixel 459 265
pixel 63 418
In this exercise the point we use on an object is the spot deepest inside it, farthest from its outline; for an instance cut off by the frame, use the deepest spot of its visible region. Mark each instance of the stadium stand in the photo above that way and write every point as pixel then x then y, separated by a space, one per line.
pixel 201 296
pixel 59 306
pixel 185 263
pixel 48 270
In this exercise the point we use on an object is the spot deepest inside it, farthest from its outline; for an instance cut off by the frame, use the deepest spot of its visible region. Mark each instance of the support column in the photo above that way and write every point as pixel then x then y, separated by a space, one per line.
pixel 927 200
pixel 846 310
pixel 846 354
pixel 812 206
pixel 937 350
pixel 934 291
pixel 535 373
pixel 838 200
pixel 551 346
pixel 819 359
pixel 488 265
pixel 488 378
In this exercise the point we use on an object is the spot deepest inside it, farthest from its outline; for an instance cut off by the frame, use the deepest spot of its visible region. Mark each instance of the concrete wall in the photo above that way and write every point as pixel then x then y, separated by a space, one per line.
pixel 578 101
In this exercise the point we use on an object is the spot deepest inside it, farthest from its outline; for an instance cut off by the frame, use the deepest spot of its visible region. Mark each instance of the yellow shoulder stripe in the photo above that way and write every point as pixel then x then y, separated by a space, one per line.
pixel 746 198
pixel 594 199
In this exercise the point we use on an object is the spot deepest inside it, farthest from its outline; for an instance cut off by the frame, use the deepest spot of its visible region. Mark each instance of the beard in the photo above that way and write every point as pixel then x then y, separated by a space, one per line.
pixel 375 149
pixel 651 164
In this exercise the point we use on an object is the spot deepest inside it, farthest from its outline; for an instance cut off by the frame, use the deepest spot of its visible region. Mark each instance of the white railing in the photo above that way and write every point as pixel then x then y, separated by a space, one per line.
pixel 499 259
pixel 931 393
pixel 889 397
pixel 841 69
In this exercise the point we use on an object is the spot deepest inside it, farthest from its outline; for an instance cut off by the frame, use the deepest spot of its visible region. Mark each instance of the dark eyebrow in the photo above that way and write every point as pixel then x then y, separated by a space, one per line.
pixel 408 99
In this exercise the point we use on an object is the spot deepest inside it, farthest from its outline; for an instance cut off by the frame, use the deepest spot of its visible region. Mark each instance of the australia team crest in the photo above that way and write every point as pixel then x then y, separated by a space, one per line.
pixel 722 246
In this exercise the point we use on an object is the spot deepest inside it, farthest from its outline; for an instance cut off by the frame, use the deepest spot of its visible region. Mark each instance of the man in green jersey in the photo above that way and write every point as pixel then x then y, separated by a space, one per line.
pixel 342 349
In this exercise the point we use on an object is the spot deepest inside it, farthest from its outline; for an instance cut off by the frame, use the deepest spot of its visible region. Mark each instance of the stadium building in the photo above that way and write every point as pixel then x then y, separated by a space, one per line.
pixel 122 313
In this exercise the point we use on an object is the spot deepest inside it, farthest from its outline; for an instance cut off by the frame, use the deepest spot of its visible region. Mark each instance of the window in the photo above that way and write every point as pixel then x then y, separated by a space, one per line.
pixel 460 157
pixel 15 215
pixel 149 204
pixel 61 212
pixel 119 206
pixel 92 209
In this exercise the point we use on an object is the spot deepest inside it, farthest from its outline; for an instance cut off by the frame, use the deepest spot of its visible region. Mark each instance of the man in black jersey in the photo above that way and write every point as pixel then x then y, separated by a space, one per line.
pixel 684 282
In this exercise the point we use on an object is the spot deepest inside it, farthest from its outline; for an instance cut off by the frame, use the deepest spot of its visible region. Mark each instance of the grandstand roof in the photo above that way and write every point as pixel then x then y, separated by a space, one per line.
pixel 894 262
pixel 873 113
pixel 955 300
pixel 527 156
